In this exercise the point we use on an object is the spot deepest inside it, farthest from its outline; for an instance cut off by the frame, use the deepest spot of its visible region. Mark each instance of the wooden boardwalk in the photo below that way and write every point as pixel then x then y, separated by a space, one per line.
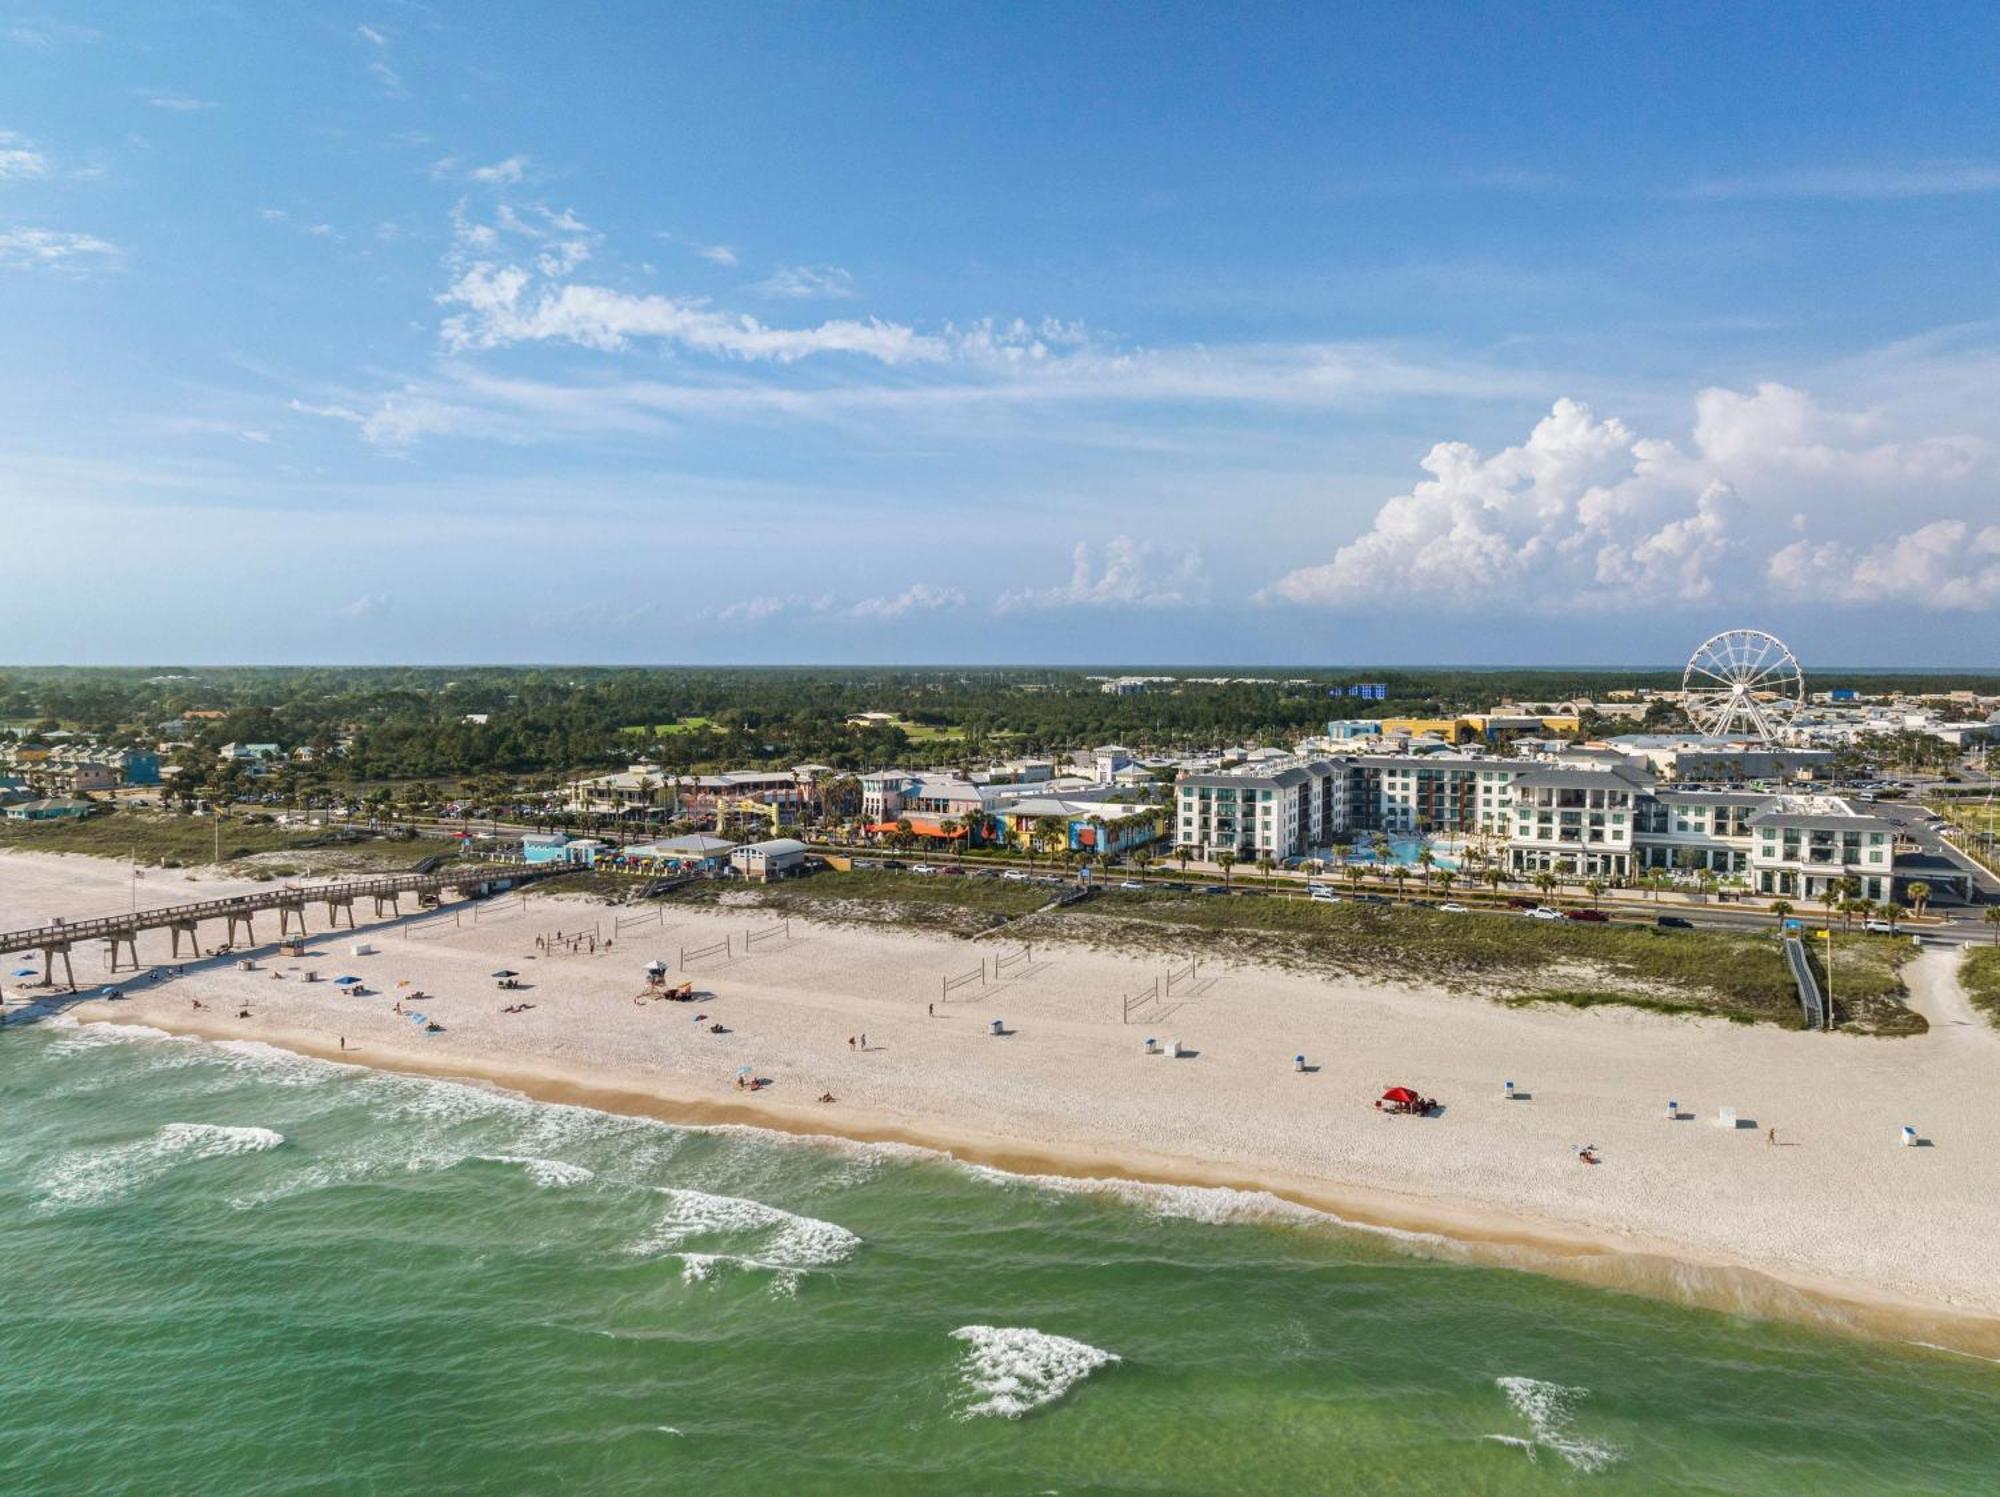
pixel 120 933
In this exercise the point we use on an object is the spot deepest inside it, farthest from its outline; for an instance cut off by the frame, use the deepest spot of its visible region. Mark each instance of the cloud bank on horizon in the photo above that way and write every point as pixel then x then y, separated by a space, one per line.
pixel 1047 384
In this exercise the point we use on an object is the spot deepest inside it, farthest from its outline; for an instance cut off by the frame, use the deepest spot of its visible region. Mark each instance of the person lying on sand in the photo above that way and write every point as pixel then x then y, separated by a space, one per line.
pixel 826 1096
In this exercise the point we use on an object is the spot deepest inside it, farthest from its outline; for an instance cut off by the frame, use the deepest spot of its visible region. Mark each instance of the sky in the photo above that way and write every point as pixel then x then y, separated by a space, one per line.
pixel 1318 335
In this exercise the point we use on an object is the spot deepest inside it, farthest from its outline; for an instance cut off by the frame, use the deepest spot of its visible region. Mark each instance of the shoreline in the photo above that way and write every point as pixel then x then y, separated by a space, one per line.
pixel 1805 1211
pixel 1466 1232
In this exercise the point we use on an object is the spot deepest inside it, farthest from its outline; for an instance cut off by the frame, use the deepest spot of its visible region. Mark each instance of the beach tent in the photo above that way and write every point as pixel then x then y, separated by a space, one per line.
pixel 345 982
pixel 506 972
pixel 24 971
pixel 1401 1094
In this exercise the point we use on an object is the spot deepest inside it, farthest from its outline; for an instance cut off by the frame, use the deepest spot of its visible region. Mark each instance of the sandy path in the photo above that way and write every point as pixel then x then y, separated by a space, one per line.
pixel 1835 1205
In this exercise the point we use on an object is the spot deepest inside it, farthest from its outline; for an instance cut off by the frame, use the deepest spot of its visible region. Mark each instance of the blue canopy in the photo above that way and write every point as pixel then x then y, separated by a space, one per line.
pixel 345 981
pixel 24 971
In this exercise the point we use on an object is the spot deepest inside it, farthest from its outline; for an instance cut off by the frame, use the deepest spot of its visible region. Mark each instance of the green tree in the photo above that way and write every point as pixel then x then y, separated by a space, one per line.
pixel 1920 895
pixel 1782 909
pixel 1225 860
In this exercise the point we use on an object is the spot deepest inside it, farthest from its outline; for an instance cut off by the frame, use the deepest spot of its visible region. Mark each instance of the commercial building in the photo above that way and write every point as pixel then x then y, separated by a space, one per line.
pixel 772 858
pixel 1270 811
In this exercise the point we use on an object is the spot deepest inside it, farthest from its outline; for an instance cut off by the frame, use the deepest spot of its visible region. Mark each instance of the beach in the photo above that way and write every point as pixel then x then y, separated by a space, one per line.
pixel 1833 1222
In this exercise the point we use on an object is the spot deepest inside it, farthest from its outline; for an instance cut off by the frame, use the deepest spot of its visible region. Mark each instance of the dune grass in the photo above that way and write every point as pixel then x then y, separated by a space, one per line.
pixel 158 839
pixel 1981 977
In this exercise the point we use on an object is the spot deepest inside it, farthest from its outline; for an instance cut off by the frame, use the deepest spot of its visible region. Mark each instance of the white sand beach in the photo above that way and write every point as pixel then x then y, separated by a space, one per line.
pixel 1835 1221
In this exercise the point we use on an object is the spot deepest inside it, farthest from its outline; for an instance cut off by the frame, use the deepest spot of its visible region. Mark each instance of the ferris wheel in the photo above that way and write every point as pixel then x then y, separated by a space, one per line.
pixel 1742 681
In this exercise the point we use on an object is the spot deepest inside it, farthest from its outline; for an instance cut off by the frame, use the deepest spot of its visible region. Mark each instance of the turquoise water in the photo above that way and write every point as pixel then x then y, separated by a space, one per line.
pixel 1405 850
pixel 228 1270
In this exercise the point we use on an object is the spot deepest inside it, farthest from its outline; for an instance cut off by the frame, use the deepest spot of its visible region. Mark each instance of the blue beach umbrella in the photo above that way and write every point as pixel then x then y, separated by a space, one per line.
pixel 24 971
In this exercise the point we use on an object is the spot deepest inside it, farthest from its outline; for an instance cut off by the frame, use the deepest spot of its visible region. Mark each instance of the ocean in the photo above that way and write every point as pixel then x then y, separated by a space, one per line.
pixel 229 1270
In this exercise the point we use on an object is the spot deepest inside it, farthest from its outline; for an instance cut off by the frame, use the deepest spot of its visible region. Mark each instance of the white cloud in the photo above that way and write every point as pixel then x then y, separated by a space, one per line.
pixel 1587 514
pixel 1135 574
pixel 716 254
pixel 922 597
pixel 19 159
pixel 23 249
pixel 503 306
pixel 1945 564
pixel 363 606
pixel 372 36
pixel 1937 180
pixel 179 103
pixel 389 78
pixel 749 610
pixel 501 173
pixel 801 282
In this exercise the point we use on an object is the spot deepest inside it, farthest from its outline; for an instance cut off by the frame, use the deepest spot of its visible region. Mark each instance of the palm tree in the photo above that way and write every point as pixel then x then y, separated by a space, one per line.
pixel 1225 860
pixel 1596 888
pixel 1401 874
pixel 1890 911
pixel 1355 874
pixel 1183 853
pixel 1495 877
pixel 950 827
pixel 1830 897
pixel 1052 832
pixel 1446 878
pixel 1920 895
pixel 1267 865
pixel 1782 908
pixel 1546 882
pixel 1426 859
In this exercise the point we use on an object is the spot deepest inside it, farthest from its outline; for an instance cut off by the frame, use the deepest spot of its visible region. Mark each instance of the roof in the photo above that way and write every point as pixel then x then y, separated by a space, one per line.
pixel 1614 777
pixel 774 847
pixel 693 845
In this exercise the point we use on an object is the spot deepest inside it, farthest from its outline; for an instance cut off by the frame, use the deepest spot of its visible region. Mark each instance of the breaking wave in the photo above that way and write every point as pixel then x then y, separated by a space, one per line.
pixel 1550 1412
pixel 100 1176
pixel 1009 1371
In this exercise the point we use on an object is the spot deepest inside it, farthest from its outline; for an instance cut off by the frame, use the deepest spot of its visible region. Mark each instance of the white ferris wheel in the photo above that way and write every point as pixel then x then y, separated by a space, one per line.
pixel 1742 682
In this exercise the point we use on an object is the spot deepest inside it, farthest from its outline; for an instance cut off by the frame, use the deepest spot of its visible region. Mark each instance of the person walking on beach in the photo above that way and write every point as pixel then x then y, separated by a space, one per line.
pixel 931 1009
pixel 864 1040
pixel 850 1042
pixel 1771 1139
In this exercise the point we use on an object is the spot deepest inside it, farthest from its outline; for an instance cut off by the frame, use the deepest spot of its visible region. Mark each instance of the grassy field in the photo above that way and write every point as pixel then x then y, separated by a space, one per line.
pixel 158 840
pixel 1981 976
pixel 679 725
pixel 955 906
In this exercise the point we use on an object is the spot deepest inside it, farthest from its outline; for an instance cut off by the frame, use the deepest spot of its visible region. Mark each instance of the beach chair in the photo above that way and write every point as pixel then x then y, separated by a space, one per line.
pixel 1725 1117
pixel 1908 1138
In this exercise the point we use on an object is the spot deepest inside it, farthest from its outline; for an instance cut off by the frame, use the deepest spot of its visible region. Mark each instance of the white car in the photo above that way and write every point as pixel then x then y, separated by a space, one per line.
pixel 1322 895
pixel 1543 912
pixel 1878 927
pixel 922 868
pixel 1015 875
pixel 1452 907
pixel 1132 883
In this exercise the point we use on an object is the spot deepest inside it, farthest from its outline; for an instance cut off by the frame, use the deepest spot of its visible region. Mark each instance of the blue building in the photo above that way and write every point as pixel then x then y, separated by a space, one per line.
pixel 1366 691
pixel 141 767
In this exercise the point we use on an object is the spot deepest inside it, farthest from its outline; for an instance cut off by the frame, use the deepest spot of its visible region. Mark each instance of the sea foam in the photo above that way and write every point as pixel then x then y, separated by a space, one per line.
pixel 1550 1411
pixel 764 1237
pixel 99 1176
pixel 1009 1371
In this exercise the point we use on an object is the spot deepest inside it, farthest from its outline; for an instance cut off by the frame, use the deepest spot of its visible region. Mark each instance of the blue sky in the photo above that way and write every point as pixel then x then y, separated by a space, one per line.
pixel 1026 333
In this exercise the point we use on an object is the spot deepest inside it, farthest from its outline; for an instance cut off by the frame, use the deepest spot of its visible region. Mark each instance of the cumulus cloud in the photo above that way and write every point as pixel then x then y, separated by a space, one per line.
pixel 54 249
pixel 1586 513
pixel 19 159
pixel 363 606
pixel 501 173
pixel 1945 564
pixel 803 282
pixel 922 597
pixel 1134 574
pixel 716 254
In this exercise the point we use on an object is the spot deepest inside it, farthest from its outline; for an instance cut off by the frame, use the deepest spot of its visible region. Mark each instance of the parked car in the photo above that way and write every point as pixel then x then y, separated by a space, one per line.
pixel 1453 907
pixel 1321 894
pixel 1674 922
pixel 922 868
pixel 1371 899
pixel 1878 927
pixel 1592 917
pixel 1177 887
pixel 1014 876
pixel 1518 903
pixel 1213 889
pixel 1132 884
pixel 1543 912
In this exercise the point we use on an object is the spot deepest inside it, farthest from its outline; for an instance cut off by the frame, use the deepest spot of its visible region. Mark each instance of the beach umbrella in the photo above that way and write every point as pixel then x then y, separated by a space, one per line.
pixel 344 982
pixel 506 972
pixel 24 971
pixel 1399 1094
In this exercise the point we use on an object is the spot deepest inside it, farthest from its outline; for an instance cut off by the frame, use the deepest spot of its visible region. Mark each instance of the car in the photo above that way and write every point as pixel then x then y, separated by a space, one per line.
pixel 1518 903
pixel 1176 887
pixel 1674 922
pixel 1320 894
pixel 1014 876
pixel 1543 912
pixel 954 871
pixel 1132 884
pixel 893 863
pixel 921 868
pixel 1371 899
pixel 1213 889
pixel 1592 917
pixel 1878 927
pixel 1453 907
